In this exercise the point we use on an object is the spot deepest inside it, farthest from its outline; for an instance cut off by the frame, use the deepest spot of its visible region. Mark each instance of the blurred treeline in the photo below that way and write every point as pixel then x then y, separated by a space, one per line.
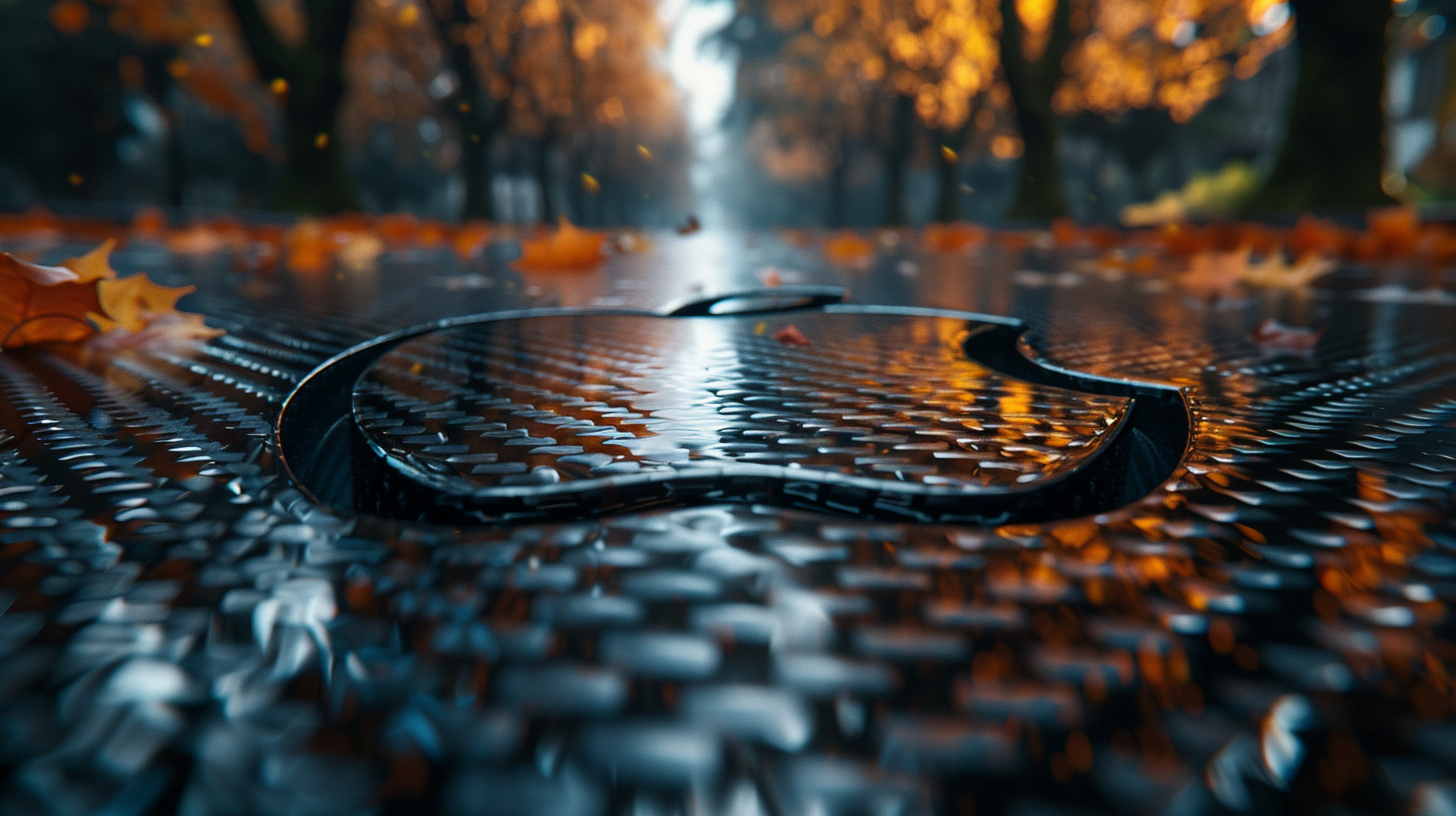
pixel 842 113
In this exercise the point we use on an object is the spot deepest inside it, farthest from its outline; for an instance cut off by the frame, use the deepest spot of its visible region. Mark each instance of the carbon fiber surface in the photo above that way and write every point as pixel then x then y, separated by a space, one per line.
pixel 881 409
pixel 183 630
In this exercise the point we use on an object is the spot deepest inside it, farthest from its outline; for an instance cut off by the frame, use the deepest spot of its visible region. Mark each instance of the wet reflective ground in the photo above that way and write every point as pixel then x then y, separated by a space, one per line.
pixel 183 631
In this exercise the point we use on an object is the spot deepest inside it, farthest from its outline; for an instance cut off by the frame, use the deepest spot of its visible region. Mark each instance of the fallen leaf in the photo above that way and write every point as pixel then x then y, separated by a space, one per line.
pixel 134 302
pixel 797 238
pixel 361 253
pixel 770 277
pixel 1214 275
pixel 1274 273
pixel 35 273
pixel 954 237
pixel 848 249
pixel 567 248
pixel 94 265
pixel 42 304
pixel 1271 335
pixel 170 331
pixel 791 336
pixel 631 243
pixel 471 239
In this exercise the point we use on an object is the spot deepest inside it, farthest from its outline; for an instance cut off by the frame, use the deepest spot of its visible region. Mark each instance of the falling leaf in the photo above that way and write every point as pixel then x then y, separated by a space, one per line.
pixel 848 249
pixel 770 277
pixel 567 248
pixel 1271 336
pixel 689 226
pixel 791 336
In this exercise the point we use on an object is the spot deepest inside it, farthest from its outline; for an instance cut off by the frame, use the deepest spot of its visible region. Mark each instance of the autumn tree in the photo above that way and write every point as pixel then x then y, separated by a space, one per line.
pixel 816 95
pixel 188 45
pixel 306 67
pixel 1106 57
pixel 1035 38
pixel 61 94
pixel 876 72
pixel 76 71
pixel 1333 154
pixel 472 77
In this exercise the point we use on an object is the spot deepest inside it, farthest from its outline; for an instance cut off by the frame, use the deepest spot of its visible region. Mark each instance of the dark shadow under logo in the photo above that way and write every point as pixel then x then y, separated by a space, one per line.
pixel 881 413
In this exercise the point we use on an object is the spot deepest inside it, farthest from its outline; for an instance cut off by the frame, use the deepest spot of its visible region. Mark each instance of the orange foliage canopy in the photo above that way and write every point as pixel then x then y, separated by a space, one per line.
pixel 73 301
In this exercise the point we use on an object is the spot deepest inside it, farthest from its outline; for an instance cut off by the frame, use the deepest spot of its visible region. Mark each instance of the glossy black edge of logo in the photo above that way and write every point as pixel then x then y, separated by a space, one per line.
pixel 319 448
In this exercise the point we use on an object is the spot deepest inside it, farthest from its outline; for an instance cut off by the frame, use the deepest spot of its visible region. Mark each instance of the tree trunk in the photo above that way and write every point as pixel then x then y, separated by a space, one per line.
pixel 476 114
pixel 1333 155
pixel 315 177
pixel 1039 195
pixel 837 171
pixel 902 130
pixel 157 83
pixel 543 179
pixel 475 168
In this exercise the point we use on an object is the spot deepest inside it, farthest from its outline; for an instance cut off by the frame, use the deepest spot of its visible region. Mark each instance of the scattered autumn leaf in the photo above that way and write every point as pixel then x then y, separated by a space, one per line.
pixel 848 249
pixel 133 302
pixel 770 277
pixel 567 248
pixel 689 226
pixel 1274 273
pixel 1214 275
pixel 70 302
pixel 149 223
pixel 40 304
pixel 631 243
pixel 471 239
pixel 954 237
pixel 361 253
pixel 791 336
pixel 1271 335
pixel 797 238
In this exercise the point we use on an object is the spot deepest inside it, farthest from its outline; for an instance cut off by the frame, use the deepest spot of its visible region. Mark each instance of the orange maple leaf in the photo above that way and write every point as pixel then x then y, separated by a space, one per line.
pixel 1274 273
pixel 567 248
pixel 72 301
pixel 132 303
pixel 166 331
pixel 94 265
pixel 1214 275
pixel 42 304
